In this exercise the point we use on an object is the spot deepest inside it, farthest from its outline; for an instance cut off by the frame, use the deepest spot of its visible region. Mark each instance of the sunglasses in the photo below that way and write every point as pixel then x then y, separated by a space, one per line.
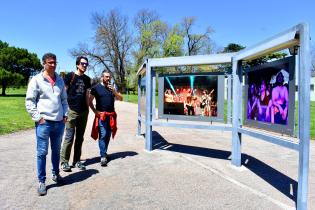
pixel 51 63
pixel 84 64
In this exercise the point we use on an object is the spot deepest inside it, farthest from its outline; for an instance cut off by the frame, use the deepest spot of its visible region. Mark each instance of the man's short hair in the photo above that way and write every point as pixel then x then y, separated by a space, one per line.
pixel 106 71
pixel 77 62
pixel 48 55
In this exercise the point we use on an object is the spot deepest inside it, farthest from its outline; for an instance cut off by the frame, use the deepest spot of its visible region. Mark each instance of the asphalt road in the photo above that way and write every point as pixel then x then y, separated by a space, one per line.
pixel 188 169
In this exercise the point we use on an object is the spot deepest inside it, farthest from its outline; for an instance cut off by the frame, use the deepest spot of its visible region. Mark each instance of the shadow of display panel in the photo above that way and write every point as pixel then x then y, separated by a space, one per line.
pixel 193 97
pixel 270 96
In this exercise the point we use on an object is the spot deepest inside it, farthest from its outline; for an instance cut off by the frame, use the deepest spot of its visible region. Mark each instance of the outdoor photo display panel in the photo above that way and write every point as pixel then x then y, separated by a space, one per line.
pixel 191 97
pixel 270 92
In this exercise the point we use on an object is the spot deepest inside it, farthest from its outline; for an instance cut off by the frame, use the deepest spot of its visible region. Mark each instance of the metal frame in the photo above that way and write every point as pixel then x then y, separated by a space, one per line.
pixel 297 35
pixel 283 129
pixel 220 100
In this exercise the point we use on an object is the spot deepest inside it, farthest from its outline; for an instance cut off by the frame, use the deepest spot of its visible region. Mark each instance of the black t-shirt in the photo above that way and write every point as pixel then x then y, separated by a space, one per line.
pixel 77 91
pixel 104 98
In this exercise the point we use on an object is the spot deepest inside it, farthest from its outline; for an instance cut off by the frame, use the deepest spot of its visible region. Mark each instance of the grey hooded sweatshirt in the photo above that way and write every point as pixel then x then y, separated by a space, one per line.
pixel 46 101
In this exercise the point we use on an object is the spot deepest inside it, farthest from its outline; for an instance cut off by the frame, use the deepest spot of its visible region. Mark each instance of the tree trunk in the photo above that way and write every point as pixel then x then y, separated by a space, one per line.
pixel 4 86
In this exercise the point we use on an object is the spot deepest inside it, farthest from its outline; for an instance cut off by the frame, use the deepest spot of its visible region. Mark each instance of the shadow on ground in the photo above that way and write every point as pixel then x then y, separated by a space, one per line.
pixel 112 157
pixel 274 177
pixel 75 177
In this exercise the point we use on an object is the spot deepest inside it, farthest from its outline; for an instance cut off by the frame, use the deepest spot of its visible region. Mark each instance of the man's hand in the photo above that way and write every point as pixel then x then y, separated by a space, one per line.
pixel 65 118
pixel 41 121
pixel 111 88
pixel 97 113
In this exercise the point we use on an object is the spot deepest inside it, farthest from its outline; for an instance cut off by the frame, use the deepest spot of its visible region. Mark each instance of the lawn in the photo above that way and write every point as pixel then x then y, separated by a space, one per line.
pixel 13 116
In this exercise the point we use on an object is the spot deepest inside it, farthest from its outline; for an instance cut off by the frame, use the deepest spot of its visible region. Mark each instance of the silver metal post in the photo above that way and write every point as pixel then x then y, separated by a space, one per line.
pixel 229 81
pixel 304 116
pixel 237 103
pixel 153 93
pixel 139 106
pixel 148 113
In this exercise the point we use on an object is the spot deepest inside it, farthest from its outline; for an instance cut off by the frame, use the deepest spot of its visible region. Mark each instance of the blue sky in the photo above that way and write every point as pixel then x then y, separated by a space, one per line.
pixel 59 25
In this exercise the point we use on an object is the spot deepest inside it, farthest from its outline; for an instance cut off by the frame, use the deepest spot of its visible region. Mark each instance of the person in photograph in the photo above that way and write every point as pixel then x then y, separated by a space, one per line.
pixel 203 101
pixel 213 108
pixel 262 103
pixel 252 102
pixel 105 121
pixel 78 85
pixel 208 99
pixel 168 97
pixel 210 103
pixel 46 102
pixel 280 101
pixel 189 104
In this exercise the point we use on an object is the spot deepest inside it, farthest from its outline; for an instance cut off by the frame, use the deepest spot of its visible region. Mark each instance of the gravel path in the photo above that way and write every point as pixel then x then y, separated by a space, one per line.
pixel 189 169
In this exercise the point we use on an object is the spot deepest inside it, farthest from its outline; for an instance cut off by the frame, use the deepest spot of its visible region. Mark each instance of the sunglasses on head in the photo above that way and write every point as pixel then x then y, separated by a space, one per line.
pixel 84 64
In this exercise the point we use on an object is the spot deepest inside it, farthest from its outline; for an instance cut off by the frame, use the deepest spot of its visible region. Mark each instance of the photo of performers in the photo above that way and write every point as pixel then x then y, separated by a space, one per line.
pixel 268 95
pixel 191 95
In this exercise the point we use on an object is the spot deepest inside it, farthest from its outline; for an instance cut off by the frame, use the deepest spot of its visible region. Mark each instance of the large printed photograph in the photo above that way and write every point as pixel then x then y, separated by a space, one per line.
pixel 191 95
pixel 268 93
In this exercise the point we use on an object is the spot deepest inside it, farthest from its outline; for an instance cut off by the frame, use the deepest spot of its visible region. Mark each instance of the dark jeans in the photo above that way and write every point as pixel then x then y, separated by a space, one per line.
pixel 52 130
pixel 75 125
pixel 104 136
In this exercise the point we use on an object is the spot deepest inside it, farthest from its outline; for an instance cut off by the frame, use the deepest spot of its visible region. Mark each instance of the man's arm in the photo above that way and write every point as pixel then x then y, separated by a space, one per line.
pixel 31 100
pixel 64 103
pixel 117 95
pixel 91 98
pixel 87 97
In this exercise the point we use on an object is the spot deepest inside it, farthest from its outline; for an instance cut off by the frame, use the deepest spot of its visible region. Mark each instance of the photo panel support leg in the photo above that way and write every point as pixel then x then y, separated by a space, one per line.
pixel 139 106
pixel 304 116
pixel 237 112
pixel 153 93
pixel 148 113
pixel 229 82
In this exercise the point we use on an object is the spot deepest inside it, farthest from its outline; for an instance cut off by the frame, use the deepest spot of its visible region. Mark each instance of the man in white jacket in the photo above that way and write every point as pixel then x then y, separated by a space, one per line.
pixel 46 102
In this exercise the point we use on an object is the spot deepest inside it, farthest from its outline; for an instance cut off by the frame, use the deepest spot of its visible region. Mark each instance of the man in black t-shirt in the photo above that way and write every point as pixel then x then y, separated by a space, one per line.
pixel 78 85
pixel 105 116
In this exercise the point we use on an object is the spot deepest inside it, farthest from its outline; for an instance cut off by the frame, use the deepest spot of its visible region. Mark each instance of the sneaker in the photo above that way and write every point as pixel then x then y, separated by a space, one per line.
pixel 58 179
pixel 104 161
pixel 41 190
pixel 80 166
pixel 65 167
pixel 108 157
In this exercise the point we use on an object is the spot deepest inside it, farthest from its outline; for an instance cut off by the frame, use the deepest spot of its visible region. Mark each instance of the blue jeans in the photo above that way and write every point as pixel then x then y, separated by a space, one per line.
pixel 104 136
pixel 52 130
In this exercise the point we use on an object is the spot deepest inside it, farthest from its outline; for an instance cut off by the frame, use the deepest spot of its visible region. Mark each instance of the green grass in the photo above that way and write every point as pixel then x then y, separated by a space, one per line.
pixel 131 98
pixel 13 115
pixel 312 123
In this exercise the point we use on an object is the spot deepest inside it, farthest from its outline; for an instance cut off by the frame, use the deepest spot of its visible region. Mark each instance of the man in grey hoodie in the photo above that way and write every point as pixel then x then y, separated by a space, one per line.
pixel 46 102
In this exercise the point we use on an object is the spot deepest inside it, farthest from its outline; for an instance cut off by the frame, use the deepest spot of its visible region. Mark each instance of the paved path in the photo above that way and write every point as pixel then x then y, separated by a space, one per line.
pixel 189 169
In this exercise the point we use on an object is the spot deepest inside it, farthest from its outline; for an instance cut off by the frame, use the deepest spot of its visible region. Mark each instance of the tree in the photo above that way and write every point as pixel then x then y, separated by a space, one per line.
pixel 9 79
pixel 173 44
pixel 196 43
pixel 151 34
pixel 16 62
pixel 112 44
pixel 232 47
pixel 3 45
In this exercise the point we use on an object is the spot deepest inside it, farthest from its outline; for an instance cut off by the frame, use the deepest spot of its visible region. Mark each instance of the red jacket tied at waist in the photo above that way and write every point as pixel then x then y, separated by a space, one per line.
pixel 102 116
